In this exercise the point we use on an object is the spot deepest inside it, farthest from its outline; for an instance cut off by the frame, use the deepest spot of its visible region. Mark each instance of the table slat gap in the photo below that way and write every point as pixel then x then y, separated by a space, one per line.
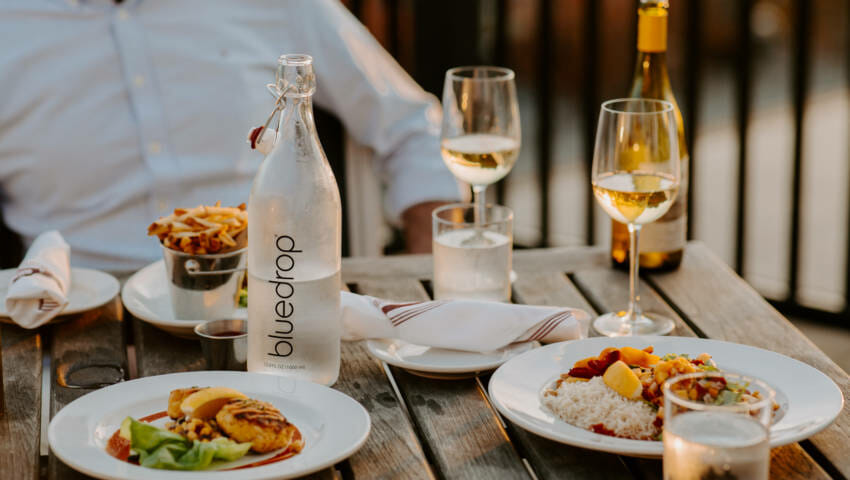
pixel 393 448
pixel 673 306
pixel 550 459
pixel 452 417
pixel 607 290
pixel 821 460
pixel 93 337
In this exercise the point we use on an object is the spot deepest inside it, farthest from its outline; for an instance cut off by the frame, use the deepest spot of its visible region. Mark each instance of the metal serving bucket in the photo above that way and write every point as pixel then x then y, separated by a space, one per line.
pixel 204 287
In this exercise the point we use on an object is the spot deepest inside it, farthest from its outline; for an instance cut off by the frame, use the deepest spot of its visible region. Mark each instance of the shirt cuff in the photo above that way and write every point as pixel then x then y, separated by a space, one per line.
pixel 407 190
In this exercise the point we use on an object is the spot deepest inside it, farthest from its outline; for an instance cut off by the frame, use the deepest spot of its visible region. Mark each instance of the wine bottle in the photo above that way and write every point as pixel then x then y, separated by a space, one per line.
pixel 663 241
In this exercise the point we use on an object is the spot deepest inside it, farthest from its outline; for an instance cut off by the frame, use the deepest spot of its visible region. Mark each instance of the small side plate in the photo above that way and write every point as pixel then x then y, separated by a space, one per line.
pixel 89 289
pixel 146 296
pixel 440 362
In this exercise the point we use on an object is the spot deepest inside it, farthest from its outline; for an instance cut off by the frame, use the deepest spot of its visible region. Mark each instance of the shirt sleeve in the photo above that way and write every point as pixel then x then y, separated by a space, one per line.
pixel 378 103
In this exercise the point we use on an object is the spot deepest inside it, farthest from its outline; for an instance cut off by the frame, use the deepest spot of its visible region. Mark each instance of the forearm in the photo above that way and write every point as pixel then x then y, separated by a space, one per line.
pixel 417 224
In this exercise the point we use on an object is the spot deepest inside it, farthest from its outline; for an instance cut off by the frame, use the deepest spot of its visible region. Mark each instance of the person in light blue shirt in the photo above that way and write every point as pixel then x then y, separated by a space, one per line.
pixel 113 114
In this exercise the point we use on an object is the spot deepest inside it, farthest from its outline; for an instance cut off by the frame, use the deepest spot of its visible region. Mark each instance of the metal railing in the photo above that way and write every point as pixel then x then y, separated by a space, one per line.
pixel 592 26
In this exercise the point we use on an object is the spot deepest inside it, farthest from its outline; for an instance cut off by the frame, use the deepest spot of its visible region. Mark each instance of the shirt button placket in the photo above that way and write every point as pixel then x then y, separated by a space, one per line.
pixel 148 109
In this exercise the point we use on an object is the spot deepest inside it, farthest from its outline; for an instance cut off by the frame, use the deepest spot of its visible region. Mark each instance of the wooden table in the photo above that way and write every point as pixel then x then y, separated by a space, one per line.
pixel 428 428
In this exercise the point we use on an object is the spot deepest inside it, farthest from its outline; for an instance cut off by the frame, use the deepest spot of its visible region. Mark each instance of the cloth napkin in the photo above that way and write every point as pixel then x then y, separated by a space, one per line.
pixel 470 325
pixel 38 290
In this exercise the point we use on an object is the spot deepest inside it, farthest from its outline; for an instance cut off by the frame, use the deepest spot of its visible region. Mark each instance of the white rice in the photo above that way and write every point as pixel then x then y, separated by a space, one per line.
pixel 589 403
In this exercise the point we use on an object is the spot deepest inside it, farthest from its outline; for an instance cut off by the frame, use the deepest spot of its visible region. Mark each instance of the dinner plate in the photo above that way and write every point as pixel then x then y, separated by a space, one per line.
pixel 145 294
pixel 89 289
pixel 809 401
pixel 442 363
pixel 332 424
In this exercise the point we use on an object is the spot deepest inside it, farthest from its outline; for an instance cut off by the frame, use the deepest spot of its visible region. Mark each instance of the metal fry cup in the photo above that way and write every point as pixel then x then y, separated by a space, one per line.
pixel 204 287
pixel 224 343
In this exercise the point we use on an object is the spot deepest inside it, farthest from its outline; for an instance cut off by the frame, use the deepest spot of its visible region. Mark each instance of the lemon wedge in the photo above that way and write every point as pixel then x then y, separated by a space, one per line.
pixel 623 380
pixel 204 404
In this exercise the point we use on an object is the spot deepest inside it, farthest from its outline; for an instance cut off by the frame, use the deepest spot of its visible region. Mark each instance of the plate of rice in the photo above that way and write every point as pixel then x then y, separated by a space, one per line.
pixel 604 393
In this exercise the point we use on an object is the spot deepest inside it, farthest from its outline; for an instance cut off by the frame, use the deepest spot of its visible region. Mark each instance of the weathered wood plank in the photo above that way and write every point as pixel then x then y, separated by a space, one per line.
pixel 392 450
pixel 608 289
pixel 91 338
pixel 725 307
pixel 565 259
pixel 550 459
pixel 158 352
pixel 788 462
pixel 460 429
pixel 791 461
pixel 548 288
pixel 20 418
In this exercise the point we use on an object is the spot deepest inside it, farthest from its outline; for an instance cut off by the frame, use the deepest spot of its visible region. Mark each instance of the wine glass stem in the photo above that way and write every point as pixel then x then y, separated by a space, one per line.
pixel 634 308
pixel 478 194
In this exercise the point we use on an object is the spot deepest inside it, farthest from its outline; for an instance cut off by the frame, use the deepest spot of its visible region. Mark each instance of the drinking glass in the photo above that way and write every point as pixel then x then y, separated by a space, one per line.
pixel 635 179
pixel 480 135
pixel 705 440
pixel 472 270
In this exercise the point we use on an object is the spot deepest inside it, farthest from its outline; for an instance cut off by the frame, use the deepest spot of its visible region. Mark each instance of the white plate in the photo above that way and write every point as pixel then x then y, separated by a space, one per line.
pixel 89 289
pixel 146 296
pixel 441 362
pixel 332 424
pixel 809 401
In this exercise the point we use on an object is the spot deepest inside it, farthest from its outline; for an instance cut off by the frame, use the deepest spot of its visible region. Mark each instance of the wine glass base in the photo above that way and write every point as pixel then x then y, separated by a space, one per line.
pixel 615 325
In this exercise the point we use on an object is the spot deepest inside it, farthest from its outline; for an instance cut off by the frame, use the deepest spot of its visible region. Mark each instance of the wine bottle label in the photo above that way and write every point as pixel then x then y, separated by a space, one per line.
pixel 652 30
pixel 662 236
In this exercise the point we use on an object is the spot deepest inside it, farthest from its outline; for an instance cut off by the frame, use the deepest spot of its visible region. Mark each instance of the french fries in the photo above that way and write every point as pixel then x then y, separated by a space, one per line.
pixel 203 229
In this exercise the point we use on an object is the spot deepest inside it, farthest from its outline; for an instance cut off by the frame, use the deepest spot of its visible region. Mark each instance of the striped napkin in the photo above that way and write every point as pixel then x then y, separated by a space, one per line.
pixel 470 325
pixel 38 290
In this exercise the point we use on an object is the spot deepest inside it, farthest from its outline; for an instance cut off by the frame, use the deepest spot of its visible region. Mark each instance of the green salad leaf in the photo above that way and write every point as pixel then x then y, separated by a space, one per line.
pixel 727 397
pixel 159 448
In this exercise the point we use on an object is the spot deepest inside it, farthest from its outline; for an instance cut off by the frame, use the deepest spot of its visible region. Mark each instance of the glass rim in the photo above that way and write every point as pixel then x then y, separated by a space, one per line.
pixel 504 74
pixel 767 392
pixel 295 59
pixel 471 206
pixel 667 107
pixel 201 327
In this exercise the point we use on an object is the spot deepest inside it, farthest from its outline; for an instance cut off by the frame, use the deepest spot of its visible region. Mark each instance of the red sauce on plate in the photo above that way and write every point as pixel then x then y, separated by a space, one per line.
pixel 153 416
pixel 118 446
pixel 286 453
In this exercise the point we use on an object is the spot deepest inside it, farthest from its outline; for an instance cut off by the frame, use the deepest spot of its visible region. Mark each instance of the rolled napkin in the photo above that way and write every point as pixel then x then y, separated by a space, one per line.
pixel 39 289
pixel 470 325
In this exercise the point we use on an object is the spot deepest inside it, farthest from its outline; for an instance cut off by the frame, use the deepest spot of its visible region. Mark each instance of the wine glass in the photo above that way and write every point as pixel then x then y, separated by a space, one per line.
pixel 480 135
pixel 635 179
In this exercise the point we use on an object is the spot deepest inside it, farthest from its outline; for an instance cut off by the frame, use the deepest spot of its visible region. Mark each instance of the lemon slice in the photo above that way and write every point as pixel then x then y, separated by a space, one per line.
pixel 623 380
pixel 204 404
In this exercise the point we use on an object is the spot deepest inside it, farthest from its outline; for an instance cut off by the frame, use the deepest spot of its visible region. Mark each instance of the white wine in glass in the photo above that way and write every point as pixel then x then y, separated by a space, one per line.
pixel 480 159
pixel 635 197
pixel 635 176
pixel 480 134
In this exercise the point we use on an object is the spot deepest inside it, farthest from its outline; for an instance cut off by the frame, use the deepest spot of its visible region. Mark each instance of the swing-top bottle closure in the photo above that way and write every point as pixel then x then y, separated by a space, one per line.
pixel 294 79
